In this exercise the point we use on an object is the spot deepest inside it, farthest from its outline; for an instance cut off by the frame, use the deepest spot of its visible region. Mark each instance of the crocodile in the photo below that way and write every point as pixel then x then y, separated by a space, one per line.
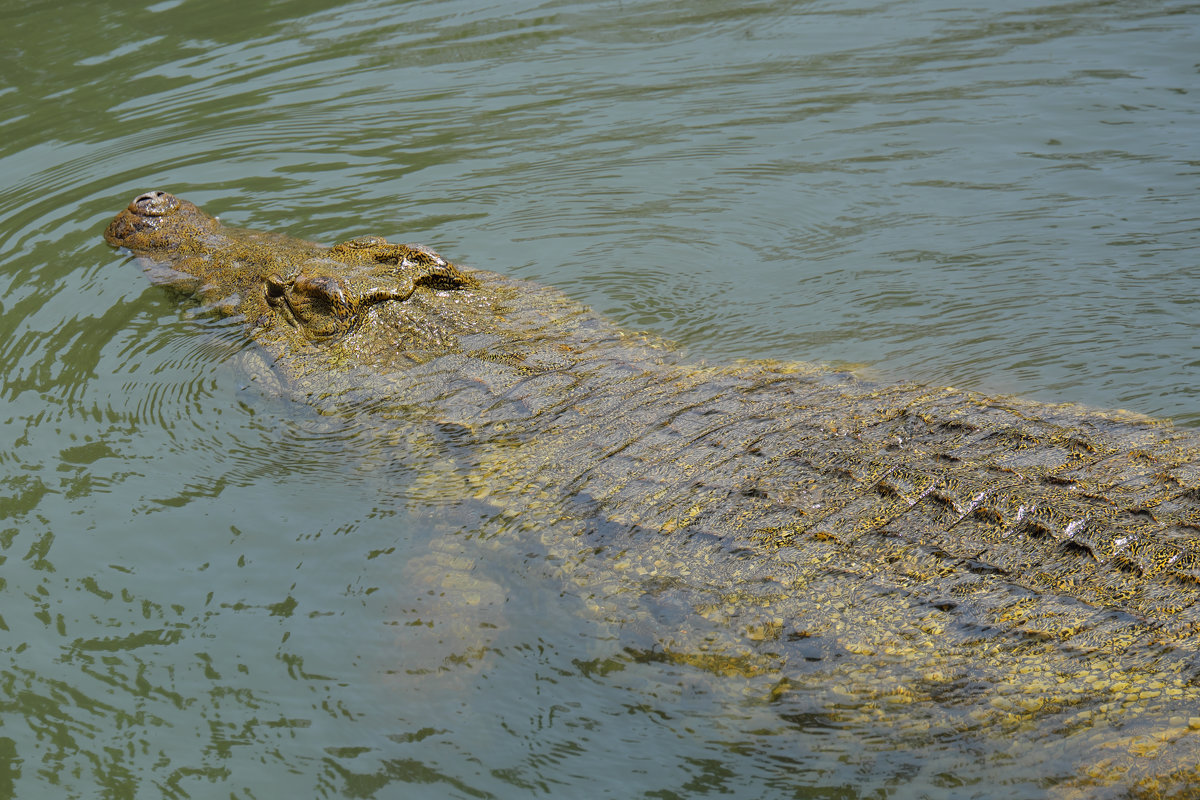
pixel 943 562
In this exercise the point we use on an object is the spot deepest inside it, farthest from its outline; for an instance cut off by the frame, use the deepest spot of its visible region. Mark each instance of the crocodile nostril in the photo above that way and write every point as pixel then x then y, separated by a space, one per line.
pixel 156 203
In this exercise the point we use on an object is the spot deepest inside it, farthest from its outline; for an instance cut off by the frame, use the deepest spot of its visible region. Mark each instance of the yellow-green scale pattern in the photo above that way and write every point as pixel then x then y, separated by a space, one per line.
pixel 926 563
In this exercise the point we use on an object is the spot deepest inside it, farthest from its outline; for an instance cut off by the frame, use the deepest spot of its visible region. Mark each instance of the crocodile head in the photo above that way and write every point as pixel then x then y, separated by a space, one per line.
pixel 367 293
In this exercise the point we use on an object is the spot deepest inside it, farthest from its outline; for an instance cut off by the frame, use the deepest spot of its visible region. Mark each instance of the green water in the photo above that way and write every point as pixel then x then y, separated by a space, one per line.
pixel 209 592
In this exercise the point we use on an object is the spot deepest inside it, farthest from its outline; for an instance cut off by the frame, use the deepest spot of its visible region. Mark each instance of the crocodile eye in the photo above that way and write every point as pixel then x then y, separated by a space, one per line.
pixel 320 295
pixel 319 305
pixel 275 287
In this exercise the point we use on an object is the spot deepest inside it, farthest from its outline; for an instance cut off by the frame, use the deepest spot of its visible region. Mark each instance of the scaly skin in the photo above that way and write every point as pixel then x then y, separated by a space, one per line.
pixel 994 566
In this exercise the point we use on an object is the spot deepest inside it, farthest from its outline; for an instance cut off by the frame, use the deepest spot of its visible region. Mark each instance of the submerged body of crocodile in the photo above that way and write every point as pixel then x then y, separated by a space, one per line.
pixel 1006 567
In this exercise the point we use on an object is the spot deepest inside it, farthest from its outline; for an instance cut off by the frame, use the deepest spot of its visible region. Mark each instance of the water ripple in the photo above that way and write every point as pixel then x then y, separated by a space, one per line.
pixel 236 589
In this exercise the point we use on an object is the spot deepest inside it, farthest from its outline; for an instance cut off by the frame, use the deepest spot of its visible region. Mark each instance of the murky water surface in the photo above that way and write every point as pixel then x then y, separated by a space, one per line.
pixel 209 591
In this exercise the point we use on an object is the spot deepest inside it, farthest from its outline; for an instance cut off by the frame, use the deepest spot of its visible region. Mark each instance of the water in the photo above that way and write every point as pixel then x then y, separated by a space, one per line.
pixel 208 591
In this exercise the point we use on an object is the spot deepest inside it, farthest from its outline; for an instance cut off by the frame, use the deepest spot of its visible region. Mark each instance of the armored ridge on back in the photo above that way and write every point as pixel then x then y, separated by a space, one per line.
pixel 982 562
